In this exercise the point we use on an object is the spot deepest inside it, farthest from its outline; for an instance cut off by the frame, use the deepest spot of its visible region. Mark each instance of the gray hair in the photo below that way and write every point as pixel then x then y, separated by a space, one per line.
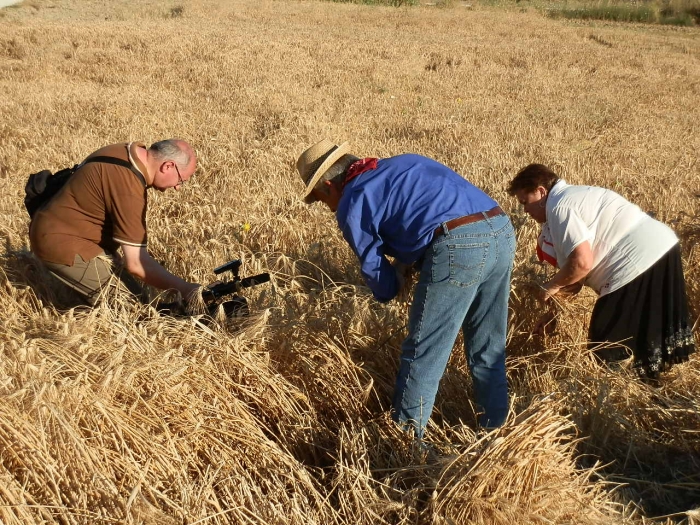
pixel 336 173
pixel 171 149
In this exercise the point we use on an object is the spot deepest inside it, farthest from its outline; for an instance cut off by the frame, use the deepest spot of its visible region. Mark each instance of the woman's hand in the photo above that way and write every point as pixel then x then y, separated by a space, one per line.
pixel 546 324
pixel 571 289
pixel 547 291
pixel 568 278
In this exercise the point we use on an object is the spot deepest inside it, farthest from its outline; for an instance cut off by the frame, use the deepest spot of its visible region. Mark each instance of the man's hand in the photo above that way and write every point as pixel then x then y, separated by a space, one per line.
pixel 139 263
pixel 403 277
pixel 401 274
pixel 190 291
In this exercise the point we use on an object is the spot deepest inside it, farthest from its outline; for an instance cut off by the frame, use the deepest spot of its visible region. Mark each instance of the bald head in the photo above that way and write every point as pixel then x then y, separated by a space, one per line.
pixel 176 150
pixel 170 163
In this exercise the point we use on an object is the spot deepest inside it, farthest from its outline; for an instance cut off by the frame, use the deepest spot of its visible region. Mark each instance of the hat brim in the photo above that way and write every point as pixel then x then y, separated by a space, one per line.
pixel 341 150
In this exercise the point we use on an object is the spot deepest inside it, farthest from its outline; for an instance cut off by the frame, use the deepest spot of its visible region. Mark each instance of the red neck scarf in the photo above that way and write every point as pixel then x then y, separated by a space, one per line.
pixel 358 168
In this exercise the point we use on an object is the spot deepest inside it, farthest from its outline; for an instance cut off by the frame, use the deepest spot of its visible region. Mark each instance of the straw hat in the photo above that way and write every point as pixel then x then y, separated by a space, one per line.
pixel 311 157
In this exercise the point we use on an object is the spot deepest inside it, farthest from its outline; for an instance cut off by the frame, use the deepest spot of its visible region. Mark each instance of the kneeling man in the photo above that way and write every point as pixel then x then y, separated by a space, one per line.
pixel 101 208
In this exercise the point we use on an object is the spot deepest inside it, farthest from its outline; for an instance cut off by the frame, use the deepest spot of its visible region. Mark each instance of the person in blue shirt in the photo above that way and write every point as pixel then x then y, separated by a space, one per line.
pixel 425 216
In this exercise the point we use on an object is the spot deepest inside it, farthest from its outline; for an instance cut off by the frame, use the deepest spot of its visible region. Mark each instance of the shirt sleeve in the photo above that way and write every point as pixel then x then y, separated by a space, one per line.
pixel 568 230
pixel 378 273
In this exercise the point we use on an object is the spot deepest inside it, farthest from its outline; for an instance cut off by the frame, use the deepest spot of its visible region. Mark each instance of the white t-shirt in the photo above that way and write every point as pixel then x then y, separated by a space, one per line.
pixel 624 240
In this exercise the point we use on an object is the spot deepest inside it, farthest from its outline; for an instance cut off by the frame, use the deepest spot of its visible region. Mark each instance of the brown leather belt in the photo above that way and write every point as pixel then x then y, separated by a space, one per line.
pixel 468 219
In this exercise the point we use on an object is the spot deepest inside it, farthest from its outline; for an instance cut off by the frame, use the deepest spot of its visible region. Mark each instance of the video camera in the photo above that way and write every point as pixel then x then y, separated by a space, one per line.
pixel 236 305
pixel 224 294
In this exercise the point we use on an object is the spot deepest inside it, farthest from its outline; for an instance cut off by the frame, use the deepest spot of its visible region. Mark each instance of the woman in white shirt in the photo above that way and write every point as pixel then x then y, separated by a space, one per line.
pixel 633 262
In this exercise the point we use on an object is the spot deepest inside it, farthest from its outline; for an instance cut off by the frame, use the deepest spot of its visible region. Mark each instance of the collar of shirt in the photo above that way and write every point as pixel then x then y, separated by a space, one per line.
pixel 135 161
pixel 555 194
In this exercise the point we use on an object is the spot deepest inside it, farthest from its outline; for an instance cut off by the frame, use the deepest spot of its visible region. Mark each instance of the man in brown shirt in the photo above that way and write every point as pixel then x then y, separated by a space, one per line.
pixel 101 208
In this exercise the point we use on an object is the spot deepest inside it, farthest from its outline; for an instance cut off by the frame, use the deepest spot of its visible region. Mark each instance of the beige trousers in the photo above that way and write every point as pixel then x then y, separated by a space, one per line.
pixel 96 278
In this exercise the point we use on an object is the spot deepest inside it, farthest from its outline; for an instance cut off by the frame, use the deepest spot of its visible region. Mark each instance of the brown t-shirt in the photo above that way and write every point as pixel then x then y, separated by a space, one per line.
pixel 101 207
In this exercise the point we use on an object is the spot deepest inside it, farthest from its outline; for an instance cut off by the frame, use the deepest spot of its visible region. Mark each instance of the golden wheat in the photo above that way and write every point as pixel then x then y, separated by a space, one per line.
pixel 119 415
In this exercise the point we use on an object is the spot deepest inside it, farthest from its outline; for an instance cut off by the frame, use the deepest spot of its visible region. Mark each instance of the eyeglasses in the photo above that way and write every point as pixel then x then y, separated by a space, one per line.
pixel 180 182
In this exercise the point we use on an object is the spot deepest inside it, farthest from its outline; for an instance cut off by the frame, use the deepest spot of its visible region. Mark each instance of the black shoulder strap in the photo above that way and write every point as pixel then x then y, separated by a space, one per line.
pixel 118 162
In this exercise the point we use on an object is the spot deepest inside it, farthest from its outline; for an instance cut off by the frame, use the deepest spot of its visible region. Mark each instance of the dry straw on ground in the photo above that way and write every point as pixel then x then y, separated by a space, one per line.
pixel 119 415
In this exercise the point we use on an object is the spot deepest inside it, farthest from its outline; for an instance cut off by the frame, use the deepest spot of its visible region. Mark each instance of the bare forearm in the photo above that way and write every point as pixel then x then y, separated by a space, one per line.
pixel 154 274
pixel 572 272
pixel 577 266
pixel 147 269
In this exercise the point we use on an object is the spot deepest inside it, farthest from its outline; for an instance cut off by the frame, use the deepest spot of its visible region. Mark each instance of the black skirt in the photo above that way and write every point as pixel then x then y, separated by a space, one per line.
pixel 647 318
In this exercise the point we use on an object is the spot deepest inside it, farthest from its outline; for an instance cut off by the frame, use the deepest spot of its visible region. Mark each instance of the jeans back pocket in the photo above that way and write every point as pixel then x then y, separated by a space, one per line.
pixel 461 264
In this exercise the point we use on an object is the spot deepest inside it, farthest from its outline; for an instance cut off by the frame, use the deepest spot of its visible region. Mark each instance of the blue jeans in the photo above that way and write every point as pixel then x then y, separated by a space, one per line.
pixel 464 283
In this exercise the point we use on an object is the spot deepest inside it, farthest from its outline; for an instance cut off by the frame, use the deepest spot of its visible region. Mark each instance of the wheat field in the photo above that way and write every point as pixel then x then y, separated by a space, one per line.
pixel 119 415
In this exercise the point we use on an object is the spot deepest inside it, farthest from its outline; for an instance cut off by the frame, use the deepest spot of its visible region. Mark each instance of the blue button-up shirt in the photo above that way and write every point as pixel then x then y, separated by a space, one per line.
pixel 394 210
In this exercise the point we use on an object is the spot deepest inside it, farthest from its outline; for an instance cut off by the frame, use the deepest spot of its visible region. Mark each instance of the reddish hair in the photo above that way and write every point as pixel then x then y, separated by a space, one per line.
pixel 532 176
